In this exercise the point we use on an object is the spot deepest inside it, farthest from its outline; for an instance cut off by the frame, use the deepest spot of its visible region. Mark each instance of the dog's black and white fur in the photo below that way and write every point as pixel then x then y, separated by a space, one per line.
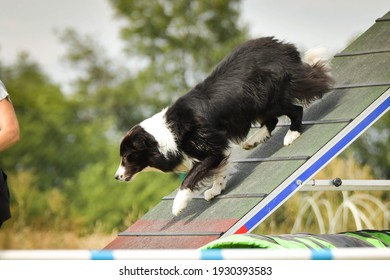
pixel 257 82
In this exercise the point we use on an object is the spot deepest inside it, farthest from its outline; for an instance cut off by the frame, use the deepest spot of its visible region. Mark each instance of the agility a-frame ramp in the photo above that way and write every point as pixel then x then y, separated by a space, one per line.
pixel 261 180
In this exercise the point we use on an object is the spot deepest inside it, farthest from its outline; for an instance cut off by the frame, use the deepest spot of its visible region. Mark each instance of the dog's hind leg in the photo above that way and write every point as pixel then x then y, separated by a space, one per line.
pixel 295 114
pixel 217 188
pixel 261 135
pixel 219 182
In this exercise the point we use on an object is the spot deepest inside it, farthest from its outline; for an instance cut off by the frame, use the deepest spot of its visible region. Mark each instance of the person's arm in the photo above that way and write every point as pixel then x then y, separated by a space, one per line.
pixel 9 126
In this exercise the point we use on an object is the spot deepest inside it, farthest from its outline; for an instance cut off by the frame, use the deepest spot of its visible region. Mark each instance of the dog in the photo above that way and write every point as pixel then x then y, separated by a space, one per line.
pixel 256 83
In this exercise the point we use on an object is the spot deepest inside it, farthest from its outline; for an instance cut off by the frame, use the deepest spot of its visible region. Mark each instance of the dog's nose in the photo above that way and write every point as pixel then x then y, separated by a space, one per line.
pixel 119 176
pixel 120 173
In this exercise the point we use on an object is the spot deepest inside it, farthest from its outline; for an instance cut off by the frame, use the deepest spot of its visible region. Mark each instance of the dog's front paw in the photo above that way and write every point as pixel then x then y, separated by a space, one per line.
pixel 183 197
pixel 290 137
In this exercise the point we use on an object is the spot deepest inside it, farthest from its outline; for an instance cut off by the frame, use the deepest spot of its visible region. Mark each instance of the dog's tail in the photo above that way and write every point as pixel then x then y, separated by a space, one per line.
pixel 315 79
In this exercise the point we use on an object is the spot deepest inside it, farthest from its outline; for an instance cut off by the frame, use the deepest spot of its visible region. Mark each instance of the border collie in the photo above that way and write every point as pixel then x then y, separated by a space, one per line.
pixel 257 82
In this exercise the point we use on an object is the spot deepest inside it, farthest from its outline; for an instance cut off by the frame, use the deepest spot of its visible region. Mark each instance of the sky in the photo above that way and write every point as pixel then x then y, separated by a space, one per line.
pixel 32 25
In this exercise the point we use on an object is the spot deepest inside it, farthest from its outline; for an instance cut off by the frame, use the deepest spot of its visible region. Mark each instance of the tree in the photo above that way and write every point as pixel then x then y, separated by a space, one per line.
pixel 55 141
pixel 371 148
pixel 178 42
pixel 109 92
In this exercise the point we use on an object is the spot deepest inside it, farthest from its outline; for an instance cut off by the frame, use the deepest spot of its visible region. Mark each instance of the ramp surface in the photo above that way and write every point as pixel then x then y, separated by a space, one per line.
pixel 260 180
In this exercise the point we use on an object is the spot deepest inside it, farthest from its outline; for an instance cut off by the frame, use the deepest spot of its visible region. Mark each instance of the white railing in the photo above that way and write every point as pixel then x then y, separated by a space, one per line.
pixel 214 254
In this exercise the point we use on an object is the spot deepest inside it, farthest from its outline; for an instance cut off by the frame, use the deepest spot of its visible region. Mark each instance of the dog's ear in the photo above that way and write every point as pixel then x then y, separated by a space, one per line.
pixel 140 145
pixel 144 142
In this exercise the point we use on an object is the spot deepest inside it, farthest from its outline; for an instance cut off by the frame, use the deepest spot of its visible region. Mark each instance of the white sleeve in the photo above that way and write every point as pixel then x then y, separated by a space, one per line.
pixel 3 91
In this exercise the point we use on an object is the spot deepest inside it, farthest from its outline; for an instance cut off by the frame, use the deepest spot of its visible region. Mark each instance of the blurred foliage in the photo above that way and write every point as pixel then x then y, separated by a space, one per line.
pixel 178 41
pixel 61 172
pixel 372 148
pixel 56 140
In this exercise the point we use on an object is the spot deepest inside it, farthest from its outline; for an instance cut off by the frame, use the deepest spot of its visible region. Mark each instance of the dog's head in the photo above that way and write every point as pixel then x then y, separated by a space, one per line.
pixel 137 149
